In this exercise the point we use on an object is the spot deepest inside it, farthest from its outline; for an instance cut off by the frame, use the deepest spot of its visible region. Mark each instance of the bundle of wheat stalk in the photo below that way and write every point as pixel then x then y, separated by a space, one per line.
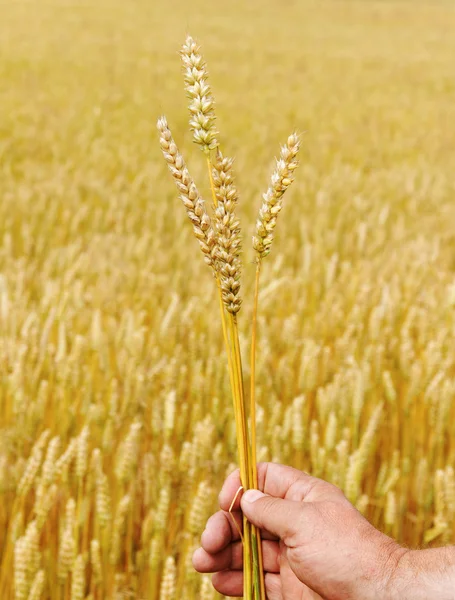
pixel 220 241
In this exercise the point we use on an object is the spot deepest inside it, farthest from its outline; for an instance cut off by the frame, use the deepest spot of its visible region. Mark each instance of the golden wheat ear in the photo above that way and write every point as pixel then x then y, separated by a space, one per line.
pixel 281 179
pixel 194 204
pixel 227 227
pixel 201 106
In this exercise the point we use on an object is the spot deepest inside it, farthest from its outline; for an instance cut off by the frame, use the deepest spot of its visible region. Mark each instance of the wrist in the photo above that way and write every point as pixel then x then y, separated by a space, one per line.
pixel 394 561
pixel 383 568
pixel 398 579
pixel 423 575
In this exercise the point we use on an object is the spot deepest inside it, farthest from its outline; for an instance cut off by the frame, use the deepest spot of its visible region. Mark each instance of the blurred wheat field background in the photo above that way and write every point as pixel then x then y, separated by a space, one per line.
pixel 116 422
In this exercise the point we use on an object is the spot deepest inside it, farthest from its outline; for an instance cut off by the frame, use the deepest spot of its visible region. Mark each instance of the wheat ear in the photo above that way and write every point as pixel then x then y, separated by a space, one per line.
pixel 201 106
pixel 228 242
pixel 194 204
pixel 282 177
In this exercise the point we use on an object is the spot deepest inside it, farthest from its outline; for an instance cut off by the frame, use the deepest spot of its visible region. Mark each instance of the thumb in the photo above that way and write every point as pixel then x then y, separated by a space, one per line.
pixel 283 518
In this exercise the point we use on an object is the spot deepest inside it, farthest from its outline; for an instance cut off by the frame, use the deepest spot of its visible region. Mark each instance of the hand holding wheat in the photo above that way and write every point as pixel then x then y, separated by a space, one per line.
pixel 317 545
pixel 220 242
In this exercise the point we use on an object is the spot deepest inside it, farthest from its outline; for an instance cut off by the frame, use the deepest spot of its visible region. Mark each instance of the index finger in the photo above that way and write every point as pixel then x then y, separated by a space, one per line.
pixel 275 480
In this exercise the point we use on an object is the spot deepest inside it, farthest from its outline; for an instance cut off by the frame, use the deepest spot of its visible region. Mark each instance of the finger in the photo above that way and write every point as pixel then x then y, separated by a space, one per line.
pixel 229 491
pixel 283 518
pixel 290 583
pixel 232 558
pixel 230 583
pixel 220 531
pixel 275 480
pixel 273 587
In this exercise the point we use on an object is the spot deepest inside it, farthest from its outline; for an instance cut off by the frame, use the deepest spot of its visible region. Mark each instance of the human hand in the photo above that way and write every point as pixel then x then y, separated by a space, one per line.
pixel 316 545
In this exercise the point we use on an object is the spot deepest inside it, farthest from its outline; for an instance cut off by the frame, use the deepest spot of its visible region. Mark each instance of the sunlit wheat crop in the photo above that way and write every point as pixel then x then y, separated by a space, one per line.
pixel 116 419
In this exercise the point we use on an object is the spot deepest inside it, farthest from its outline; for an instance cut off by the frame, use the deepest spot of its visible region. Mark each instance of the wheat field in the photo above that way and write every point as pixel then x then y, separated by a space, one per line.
pixel 116 421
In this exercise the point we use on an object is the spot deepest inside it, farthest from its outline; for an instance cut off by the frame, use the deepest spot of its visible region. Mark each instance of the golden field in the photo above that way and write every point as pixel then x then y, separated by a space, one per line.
pixel 116 421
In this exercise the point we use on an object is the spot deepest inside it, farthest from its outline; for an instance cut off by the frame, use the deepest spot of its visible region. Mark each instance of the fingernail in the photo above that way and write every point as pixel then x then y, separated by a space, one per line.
pixel 252 495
